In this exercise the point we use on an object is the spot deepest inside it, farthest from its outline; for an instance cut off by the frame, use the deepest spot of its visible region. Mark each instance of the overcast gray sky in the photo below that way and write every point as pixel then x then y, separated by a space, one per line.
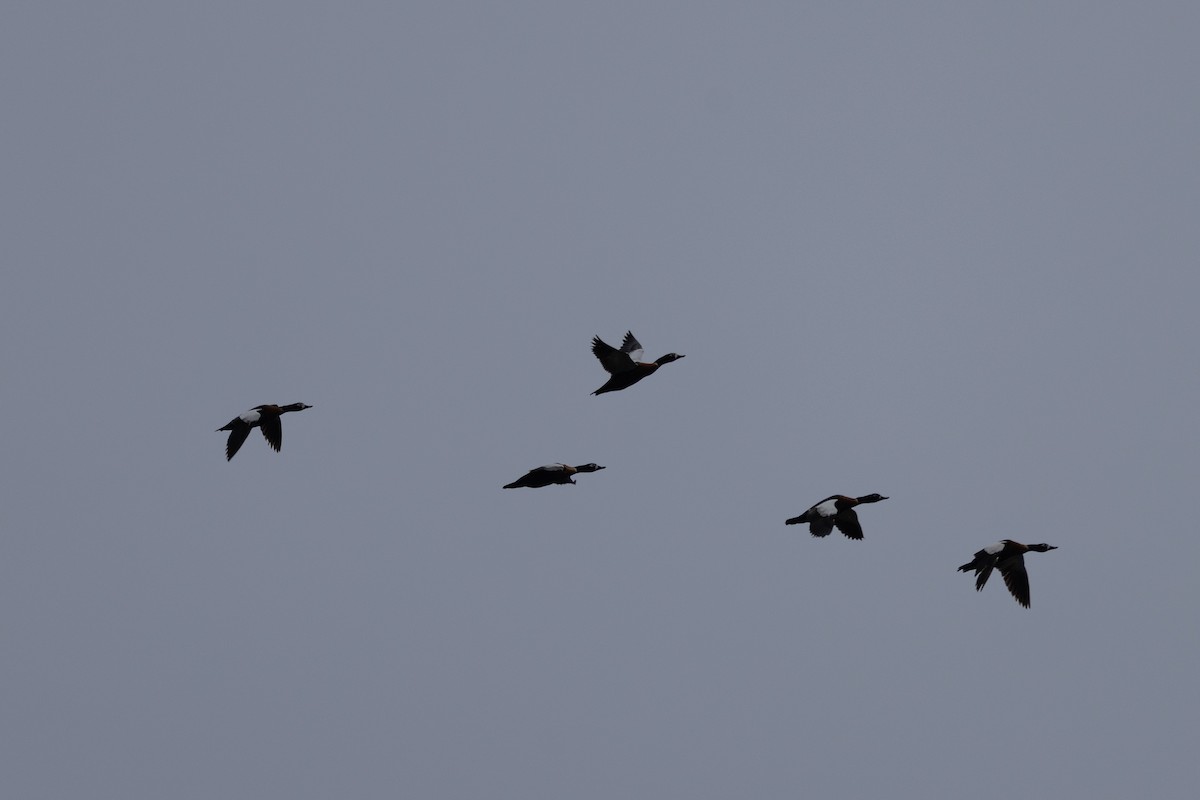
pixel 942 251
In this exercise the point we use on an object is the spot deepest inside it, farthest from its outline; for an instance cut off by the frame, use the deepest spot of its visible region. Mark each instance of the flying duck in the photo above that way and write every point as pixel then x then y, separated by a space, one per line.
pixel 1008 557
pixel 623 364
pixel 264 417
pixel 835 510
pixel 551 473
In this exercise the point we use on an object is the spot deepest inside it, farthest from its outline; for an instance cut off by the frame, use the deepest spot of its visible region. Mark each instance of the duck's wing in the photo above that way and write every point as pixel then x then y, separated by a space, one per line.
pixel 819 517
pixel 612 359
pixel 983 564
pixel 540 476
pixel 272 431
pixel 632 347
pixel 820 526
pixel 847 522
pixel 237 437
pixel 1016 578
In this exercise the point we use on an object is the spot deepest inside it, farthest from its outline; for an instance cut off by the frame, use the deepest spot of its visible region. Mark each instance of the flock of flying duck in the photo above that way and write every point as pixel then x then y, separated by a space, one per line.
pixel 625 369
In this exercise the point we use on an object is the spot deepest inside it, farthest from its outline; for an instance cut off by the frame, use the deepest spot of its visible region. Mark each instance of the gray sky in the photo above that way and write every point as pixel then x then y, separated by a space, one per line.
pixel 942 251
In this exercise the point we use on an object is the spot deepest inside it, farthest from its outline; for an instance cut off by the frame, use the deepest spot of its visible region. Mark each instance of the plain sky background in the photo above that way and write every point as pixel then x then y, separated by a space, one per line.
pixel 942 251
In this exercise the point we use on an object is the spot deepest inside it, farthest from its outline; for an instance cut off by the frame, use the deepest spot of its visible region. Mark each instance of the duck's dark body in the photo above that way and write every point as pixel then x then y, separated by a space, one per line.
pixel 551 474
pixel 265 417
pixel 1008 557
pixel 835 511
pixel 623 364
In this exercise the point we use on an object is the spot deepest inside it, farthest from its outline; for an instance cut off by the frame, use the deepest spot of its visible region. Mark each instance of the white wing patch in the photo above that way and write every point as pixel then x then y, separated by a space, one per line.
pixel 826 509
pixel 632 346
pixel 992 549
pixel 250 417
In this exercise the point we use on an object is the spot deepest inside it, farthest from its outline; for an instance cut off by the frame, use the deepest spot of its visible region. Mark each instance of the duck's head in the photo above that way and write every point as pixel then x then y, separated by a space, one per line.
pixel 871 498
pixel 668 358
pixel 1042 548
pixel 588 468
pixel 296 407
